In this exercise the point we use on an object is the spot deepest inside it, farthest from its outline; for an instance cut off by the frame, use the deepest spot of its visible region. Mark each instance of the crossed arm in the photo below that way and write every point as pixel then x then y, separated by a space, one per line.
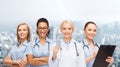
pixel 37 61
pixel 14 63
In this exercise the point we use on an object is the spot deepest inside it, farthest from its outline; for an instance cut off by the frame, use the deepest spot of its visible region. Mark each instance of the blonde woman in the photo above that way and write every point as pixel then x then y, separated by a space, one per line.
pixel 69 53
pixel 17 55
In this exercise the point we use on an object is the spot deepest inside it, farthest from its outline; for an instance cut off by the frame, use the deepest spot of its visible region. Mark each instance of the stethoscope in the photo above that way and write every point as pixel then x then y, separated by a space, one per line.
pixel 36 44
pixel 77 53
pixel 86 46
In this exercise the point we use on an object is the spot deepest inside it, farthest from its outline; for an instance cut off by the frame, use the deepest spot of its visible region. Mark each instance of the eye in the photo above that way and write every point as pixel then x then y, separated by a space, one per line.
pixel 95 30
pixel 89 29
pixel 69 28
pixel 39 28
pixel 42 27
pixel 45 28
pixel 63 28
pixel 24 29
pixel 19 30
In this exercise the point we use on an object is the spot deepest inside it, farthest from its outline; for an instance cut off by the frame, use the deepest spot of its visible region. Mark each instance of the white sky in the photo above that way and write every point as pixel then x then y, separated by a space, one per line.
pixel 14 11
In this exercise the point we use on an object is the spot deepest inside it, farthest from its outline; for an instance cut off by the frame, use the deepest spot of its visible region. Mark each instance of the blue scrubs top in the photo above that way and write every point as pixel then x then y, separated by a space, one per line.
pixel 89 51
pixel 37 50
pixel 18 53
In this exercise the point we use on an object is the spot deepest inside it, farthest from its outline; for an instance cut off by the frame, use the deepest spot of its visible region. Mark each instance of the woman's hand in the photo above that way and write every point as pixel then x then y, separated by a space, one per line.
pixel 15 63
pixel 19 63
pixel 110 60
pixel 55 51
pixel 23 62
pixel 94 54
pixel 88 59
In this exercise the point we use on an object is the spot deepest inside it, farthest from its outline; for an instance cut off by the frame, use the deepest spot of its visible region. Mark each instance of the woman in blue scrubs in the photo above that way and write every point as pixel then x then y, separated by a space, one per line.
pixel 38 52
pixel 17 55
pixel 69 53
pixel 89 46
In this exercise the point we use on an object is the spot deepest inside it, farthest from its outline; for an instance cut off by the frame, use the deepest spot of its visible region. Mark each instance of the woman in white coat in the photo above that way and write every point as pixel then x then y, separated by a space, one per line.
pixel 68 52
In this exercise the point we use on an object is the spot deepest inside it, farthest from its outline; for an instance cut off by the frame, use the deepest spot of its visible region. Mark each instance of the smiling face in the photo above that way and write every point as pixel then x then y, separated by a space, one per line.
pixel 42 29
pixel 22 32
pixel 67 29
pixel 90 31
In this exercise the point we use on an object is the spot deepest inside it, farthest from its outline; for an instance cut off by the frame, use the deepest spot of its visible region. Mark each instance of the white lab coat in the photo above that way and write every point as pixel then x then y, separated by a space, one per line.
pixel 67 56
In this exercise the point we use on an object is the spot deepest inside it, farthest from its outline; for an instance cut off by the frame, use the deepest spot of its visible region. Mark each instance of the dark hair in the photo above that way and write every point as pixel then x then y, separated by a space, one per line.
pixel 89 22
pixel 43 20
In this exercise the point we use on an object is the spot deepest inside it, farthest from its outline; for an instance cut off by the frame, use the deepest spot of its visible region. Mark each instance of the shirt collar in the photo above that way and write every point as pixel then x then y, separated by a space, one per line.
pixel 72 40
pixel 24 43
pixel 37 41
pixel 87 43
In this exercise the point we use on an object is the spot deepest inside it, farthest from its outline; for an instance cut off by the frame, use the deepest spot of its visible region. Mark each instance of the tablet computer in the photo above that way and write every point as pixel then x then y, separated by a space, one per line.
pixel 103 53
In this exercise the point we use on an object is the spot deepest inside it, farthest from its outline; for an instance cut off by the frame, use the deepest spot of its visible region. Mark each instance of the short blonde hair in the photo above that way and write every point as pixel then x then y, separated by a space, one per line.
pixel 28 28
pixel 68 22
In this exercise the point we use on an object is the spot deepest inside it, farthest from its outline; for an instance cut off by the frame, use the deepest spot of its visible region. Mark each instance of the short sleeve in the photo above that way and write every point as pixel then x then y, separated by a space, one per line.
pixel 29 49
pixel 11 51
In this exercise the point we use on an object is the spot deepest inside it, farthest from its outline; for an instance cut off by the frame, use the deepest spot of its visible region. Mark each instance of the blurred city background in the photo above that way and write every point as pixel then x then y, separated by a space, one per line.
pixel 106 14
pixel 108 34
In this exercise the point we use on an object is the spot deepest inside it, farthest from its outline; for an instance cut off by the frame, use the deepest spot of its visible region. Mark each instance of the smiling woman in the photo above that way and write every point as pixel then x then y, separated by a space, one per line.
pixel 69 53
pixel 17 55
pixel 38 52
pixel 90 46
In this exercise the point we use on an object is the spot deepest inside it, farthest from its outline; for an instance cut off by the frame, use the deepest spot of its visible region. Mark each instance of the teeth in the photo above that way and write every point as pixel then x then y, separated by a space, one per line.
pixel 42 33
pixel 22 34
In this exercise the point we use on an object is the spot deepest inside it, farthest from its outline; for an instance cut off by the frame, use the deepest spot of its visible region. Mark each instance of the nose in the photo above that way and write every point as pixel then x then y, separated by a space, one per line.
pixel 67 30
pixel 42 30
